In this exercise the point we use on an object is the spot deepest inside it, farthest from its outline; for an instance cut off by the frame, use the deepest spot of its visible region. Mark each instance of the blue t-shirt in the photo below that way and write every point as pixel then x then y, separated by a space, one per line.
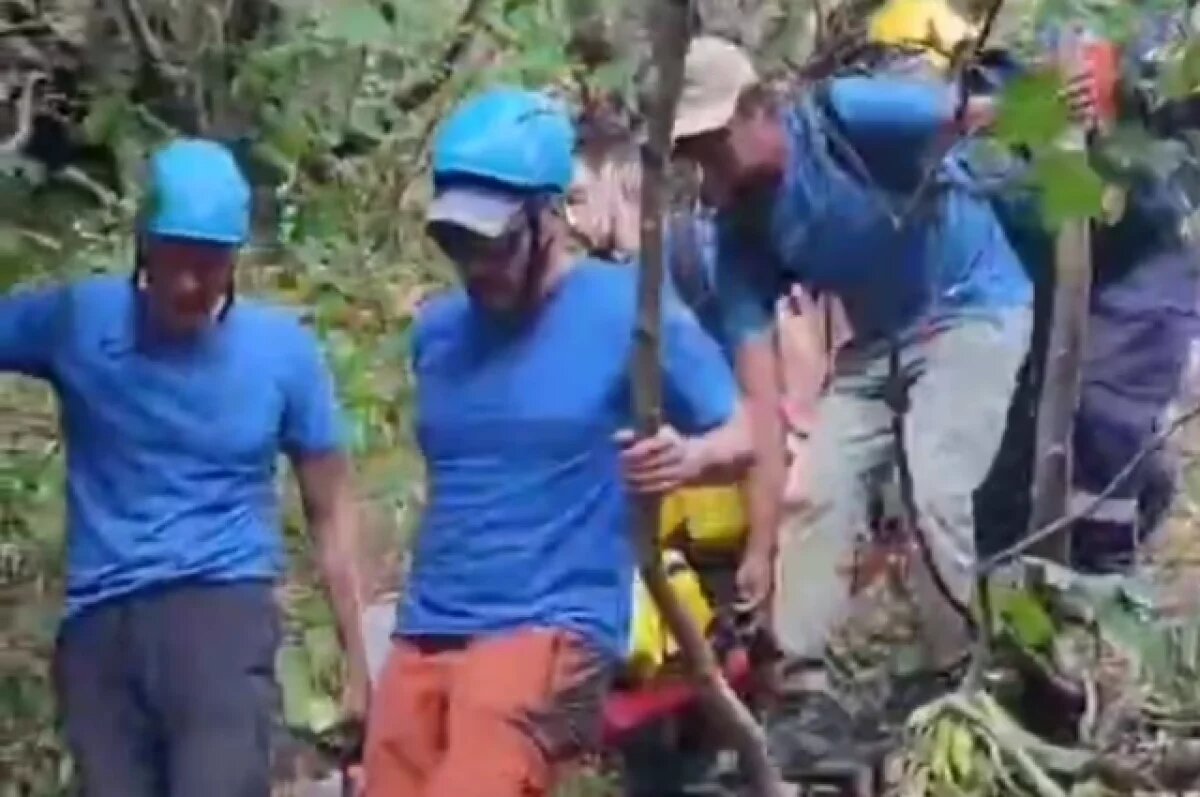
pixel 171 449
pixel 528 522
pixel 952 258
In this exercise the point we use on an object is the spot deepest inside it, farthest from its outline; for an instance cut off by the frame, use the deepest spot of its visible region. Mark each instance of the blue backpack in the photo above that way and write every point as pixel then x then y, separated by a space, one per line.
pixel 691 253
pixel 850 214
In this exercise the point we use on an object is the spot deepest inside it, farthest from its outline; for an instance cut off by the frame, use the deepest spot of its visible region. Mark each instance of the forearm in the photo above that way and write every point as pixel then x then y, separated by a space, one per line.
pixel 763 489
pixel 723 455
pixel 761 380
pixel 336 536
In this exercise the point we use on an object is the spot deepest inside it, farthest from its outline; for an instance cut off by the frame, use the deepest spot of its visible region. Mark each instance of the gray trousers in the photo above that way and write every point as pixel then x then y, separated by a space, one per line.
pixel 960 379
pixel 171 692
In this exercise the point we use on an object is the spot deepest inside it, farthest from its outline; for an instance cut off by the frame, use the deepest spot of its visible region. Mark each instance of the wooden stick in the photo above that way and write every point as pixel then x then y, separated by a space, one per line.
pixel 669 22
pixel 1063 364
pixel 1060 387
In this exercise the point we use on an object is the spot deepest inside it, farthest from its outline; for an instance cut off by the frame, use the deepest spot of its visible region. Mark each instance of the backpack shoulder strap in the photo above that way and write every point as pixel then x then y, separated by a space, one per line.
pixel 686 262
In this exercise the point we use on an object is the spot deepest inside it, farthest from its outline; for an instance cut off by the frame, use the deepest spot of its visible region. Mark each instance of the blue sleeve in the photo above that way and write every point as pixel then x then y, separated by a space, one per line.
pixel 312 422
pixel 29 321
pixel 744 299
pixel 699 390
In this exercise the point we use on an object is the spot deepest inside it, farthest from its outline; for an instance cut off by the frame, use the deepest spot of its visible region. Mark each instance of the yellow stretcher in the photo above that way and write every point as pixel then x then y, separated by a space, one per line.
pixel 703 519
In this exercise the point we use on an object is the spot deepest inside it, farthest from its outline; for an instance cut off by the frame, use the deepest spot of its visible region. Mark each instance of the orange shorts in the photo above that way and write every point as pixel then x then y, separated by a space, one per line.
pixel 491 717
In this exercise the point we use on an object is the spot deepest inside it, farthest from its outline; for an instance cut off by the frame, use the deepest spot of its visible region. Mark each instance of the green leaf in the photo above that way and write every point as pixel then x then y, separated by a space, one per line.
pixel 1070 188
pixel 312 610
pixel 1133 632
pixel 11 268
pixel 322 713
pixel 1181 74
pixel 324 653
pixel 105 118
pixel 1032 111
pixel 296 685
pixel 1023 615
pixel 613 76
pixel 358 24
pixel 1132 150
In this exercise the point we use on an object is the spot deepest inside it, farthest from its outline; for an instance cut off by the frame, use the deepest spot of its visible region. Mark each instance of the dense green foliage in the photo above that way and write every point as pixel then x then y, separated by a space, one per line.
pixel 332 106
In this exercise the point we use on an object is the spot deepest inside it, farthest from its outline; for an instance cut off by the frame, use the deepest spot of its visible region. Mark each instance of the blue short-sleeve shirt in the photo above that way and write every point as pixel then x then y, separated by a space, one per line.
pixel 953 257
pixel 528 522
pixel 171 449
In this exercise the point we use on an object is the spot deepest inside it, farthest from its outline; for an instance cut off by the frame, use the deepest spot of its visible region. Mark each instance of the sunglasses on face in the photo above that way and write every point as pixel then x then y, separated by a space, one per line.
pixel 464 247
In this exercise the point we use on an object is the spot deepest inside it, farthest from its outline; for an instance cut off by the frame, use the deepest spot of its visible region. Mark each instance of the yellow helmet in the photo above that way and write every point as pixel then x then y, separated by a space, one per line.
pixel 928 25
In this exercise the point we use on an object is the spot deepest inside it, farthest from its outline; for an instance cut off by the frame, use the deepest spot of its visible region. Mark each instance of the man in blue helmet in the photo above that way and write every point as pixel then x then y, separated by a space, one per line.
pixel 176 402
pixel 518 598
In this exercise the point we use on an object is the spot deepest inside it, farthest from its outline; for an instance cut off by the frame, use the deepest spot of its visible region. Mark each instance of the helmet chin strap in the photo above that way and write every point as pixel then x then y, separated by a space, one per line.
pixel 536 264
pixel 537 260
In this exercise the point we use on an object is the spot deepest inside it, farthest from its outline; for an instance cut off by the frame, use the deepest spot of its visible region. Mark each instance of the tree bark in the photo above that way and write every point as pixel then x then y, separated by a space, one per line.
pixel 669 22
pixel 1051 486
pixel 1061 377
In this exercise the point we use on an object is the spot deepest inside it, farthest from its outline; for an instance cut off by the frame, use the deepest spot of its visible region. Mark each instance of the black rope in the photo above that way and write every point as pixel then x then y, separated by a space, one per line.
pixel 895 396
pixel 538 259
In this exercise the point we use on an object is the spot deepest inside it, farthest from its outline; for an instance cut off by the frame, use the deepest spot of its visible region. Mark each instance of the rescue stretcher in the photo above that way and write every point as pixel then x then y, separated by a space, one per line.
pixel 631 709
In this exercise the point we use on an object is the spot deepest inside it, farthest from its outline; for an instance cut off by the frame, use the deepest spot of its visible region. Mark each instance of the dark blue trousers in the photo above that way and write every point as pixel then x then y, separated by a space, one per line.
pixel 1141 325
pixel 171 692
pixel 1139 336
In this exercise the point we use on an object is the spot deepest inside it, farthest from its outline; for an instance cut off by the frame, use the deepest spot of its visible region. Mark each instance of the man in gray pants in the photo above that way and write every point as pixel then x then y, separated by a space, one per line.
pixel 940 308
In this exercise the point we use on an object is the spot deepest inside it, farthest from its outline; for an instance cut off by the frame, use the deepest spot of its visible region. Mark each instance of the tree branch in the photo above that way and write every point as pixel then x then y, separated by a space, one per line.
pixel 24 129
pixel 960 110
pixel 148 47
pixel 670 19
pixel 1061 381
pixel 180 89
pixel 417 94
pixel 33 26
pixel 1061 523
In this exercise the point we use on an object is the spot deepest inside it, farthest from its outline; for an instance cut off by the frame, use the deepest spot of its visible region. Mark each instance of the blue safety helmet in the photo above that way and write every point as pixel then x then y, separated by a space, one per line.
pixel 496 152
pixel 197 192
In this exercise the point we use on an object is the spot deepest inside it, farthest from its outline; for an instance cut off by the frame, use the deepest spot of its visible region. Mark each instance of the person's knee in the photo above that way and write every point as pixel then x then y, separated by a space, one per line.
pixel 946 521
pixel 224 746
pixel 530 703
pixel 506 764
pixel 816 564
pixel 219 703
pixel 949 517
pixel 108 729
pixel 493 753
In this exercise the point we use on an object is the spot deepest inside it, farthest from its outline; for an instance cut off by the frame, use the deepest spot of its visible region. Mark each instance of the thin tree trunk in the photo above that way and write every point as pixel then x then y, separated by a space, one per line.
pixel 1059 401
pixel 669 21
pixel 1061 377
